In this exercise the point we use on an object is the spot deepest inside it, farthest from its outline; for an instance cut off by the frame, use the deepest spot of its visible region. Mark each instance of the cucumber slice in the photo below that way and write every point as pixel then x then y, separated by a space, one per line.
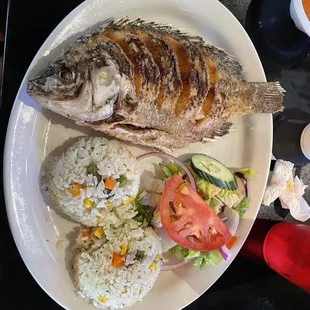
pixel 213 171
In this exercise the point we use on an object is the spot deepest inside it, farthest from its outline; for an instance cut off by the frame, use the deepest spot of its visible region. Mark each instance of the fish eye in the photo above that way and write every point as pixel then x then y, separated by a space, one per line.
pixel 66 75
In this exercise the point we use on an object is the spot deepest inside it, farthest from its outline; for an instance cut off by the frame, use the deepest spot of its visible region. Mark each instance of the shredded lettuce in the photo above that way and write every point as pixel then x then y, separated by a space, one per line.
pixel 170 169
pixel 207 188
pixel 201 259
pixel 246 172
pixel 229 198
pixel 192 254
pixel 208 258
pixel 242 206
pixel 166 171
pixel 214 204
pixel 179 252
pixel 183 253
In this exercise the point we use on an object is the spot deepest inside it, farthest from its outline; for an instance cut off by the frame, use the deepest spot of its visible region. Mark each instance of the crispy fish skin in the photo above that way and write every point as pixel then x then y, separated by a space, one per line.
pixel 152 85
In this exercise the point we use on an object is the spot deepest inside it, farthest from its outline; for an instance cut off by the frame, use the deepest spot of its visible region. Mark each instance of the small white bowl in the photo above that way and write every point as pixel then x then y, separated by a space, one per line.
pixel 299 16
pixel 305 141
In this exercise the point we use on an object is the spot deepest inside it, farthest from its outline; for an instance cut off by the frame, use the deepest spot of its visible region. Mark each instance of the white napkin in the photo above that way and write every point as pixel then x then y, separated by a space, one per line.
pixel 288 190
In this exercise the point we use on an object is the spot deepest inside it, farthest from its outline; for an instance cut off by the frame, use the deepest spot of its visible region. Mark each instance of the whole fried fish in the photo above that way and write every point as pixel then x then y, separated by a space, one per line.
pixel 151 84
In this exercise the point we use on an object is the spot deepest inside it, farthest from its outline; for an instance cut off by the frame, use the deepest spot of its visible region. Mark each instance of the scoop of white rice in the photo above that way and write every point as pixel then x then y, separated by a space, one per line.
pixel 86 167
pixel 105 285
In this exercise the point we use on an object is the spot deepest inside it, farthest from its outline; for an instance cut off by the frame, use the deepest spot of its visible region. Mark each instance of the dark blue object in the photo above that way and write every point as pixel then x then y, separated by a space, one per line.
pixel 274 34
pixel 287 129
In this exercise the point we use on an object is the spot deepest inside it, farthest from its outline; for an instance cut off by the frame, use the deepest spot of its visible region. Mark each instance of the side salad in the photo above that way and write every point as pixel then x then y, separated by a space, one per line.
pixel 194 207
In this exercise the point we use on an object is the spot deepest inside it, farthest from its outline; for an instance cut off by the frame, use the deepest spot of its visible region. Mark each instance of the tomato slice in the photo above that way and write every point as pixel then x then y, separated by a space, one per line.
pixel 188 220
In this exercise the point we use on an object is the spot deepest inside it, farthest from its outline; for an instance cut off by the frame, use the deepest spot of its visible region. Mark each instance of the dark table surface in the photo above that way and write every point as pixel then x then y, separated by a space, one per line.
pixel 244 285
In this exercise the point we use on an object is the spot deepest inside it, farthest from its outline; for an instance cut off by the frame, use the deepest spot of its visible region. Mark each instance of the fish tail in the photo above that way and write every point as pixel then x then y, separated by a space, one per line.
pixel 268 98
pixel 254 97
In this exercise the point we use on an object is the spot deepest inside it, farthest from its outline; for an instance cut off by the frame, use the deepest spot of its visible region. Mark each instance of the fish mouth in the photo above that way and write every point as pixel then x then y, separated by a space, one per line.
pixel 33 88
pixel 36 89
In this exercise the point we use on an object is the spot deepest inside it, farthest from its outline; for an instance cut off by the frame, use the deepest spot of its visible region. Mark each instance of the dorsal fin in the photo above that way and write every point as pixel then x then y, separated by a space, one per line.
pixel 222 59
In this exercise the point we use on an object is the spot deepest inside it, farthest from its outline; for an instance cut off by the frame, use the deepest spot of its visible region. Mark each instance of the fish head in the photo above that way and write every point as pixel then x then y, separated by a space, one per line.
pixel 77 88
pixel 58 82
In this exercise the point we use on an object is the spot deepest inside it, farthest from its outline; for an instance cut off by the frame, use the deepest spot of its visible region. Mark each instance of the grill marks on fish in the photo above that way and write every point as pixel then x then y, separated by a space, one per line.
pixel 199 76
pixel 146 71
pixel 149 71
pixel 191 66
pixel 159 53
pixel 183 65
pixel 209 99
pixel 164 57
pixel 120 38
pixel 116 53
pixel 181 55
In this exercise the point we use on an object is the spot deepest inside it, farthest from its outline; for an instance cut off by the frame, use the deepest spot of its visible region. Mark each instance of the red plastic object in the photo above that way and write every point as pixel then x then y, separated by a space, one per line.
pixel 253 246
pixel 287 251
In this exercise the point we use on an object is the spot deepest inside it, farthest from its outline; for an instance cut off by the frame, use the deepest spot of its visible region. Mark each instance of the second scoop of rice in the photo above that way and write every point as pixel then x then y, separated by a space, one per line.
pixel 109 286
pixel 91 177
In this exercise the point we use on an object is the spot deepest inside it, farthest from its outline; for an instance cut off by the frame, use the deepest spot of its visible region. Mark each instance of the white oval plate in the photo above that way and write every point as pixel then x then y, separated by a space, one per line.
pixel 34 132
